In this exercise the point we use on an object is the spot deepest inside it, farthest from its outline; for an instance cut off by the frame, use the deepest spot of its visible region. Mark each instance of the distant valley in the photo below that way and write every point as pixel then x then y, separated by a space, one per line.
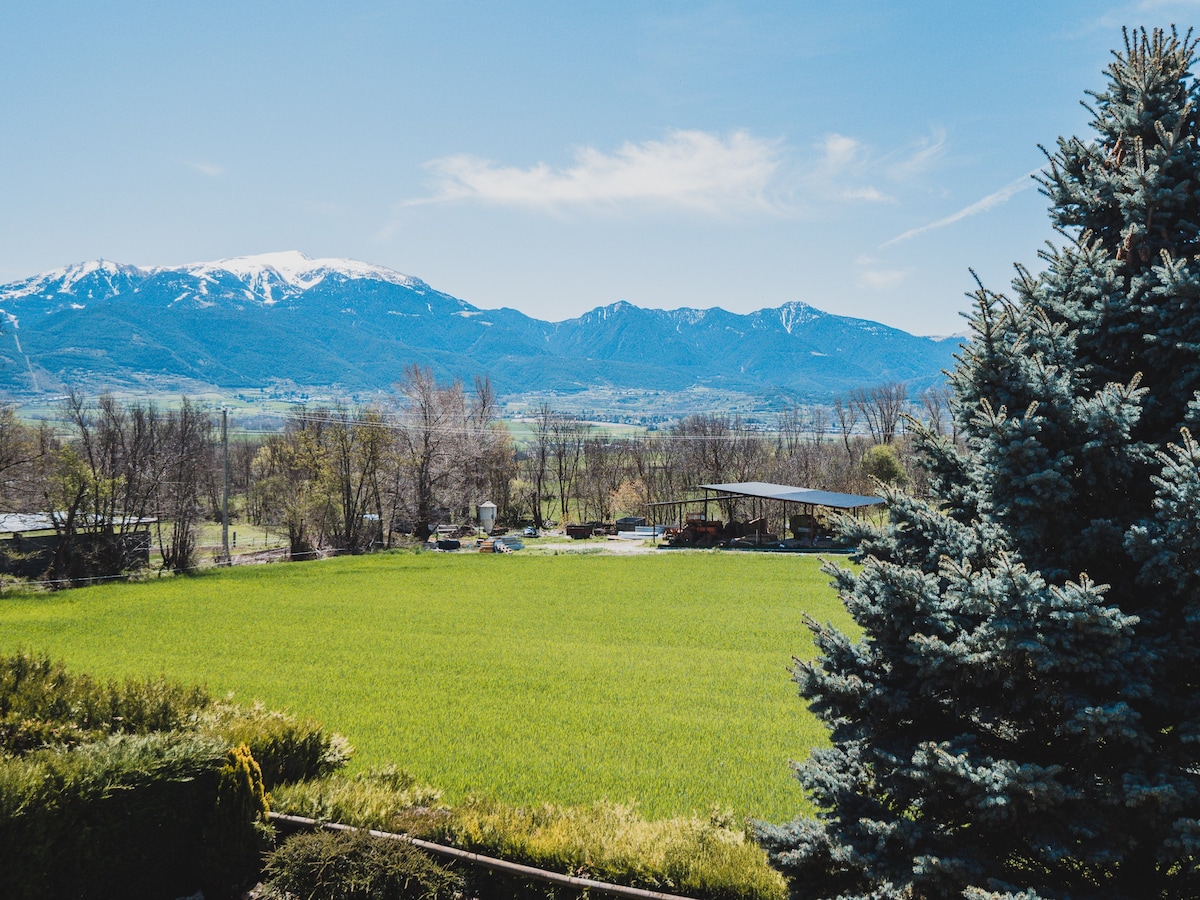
pixel 284 323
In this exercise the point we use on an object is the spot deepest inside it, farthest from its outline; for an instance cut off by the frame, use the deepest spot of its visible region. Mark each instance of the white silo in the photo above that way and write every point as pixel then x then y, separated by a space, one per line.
pixel 487 516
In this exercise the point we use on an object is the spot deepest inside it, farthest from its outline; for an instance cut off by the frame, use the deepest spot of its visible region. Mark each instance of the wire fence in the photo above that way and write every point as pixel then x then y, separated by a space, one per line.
pixel 219 562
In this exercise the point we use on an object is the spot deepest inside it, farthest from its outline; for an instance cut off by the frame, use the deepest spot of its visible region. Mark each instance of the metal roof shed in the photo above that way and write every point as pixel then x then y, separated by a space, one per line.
pixel 784 494
pixel 807 498
pixel 764 490
pixel 22 523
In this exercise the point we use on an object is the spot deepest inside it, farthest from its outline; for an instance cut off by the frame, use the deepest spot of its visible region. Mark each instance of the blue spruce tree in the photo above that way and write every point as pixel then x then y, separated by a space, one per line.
pixel 1021 715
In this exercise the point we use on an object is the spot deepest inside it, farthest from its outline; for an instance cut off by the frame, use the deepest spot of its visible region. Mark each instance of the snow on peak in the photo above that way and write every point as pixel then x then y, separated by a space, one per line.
pixel 688 315
pixel 296 270
pixel 83 269
pixel 266 278
pixel 796 313
pixel 65 278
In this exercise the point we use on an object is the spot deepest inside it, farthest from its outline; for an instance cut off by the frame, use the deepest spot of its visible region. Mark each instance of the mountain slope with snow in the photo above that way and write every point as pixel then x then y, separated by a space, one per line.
pixel 254 321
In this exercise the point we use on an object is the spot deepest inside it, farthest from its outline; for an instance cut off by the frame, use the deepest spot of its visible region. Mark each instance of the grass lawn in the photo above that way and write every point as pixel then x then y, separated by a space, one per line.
pixel 658 679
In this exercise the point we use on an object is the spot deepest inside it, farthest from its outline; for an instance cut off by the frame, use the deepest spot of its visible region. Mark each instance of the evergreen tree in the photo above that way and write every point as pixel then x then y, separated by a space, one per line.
pixel 1021 715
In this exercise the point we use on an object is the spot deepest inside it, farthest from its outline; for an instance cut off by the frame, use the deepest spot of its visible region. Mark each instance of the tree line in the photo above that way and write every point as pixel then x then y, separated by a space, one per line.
pixel 349 479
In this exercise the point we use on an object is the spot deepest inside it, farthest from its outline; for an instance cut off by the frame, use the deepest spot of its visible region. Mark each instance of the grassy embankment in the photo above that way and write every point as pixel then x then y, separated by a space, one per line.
pixel 658 679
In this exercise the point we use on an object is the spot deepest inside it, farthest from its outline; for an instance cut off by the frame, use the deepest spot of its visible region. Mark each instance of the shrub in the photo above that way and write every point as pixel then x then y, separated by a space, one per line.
pixel 611 842
pixel 388 799
pixel 286 748
pixel 709 858
pixel 127 816
pixel 882 462
pixel 84 804
pixel 238 828
pixel 356 866
pixel 41 704
pixel 44 705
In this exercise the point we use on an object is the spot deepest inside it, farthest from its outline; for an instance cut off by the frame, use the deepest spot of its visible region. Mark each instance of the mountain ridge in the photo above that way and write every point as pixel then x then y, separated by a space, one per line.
pixel 252 321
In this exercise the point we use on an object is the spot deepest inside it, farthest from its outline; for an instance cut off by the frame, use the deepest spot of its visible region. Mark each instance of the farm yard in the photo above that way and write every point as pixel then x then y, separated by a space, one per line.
pixel 654 679
pixel 1001 701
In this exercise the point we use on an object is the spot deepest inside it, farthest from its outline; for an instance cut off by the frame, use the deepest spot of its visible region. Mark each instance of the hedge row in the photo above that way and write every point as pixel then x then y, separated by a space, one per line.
pixel 710 858
pixel 138 788
pixel 146 789
pixel 42 705
pixel 134 816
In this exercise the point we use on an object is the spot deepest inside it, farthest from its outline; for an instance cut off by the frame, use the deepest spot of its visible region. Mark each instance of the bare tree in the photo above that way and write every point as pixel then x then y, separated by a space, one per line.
pixel 431 437
pixel 706 444
pixel 795 451
pixel 650 461
pixel 567 449
pixel 789 426
pixel 718 449
pixel 187 444
pixel 289 471
pixel 488 457
pixel 535 463
pixel 499 466
pixel 354 447
pixel 938 415
pixel 845 413
pixel 23 452
pixel 818 424
pixel 881 407
pixel 750 452
pixel 107 478
pixel 605 468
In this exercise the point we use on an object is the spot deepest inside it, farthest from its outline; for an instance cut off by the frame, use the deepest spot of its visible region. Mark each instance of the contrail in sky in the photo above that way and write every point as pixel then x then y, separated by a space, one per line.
pixel 992 200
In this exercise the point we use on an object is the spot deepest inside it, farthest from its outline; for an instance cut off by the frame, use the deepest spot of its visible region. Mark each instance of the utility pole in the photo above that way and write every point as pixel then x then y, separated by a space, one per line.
pixel 225 557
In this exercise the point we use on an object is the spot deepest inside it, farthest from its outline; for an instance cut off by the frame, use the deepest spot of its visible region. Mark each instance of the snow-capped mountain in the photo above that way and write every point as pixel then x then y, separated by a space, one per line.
pixel 266 278
pixel 270 277
pixel 85 279
pixel 282 317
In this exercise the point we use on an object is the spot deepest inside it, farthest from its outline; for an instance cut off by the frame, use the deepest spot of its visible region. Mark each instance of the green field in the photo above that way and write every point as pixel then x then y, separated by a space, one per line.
pixel 659 679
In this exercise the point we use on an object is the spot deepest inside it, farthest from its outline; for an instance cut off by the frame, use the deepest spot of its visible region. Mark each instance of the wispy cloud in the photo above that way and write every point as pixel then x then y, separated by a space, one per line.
pixel 697 171
pixel 688 169
pixel 868 193
pixel 843 172
pixel 840 152
pixel 212 170
pixel 914 160
pixel 991 201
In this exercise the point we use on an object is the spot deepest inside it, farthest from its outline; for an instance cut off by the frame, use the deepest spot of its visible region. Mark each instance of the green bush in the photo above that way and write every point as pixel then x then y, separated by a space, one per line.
pixel 238 829
pixel 138 788
pixel 708 858
pixel 41 704
pixel 883 463
pixel 128 816
pixel 286 748
pixel 388 799
pixel 356 866
pixel 699 857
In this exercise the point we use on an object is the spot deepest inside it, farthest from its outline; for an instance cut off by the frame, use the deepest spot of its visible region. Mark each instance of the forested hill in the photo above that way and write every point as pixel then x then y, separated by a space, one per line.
pixel 277 318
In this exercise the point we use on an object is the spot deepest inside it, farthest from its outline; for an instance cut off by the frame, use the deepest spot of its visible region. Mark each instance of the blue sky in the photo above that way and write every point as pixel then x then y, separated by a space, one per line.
pixel 554 157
